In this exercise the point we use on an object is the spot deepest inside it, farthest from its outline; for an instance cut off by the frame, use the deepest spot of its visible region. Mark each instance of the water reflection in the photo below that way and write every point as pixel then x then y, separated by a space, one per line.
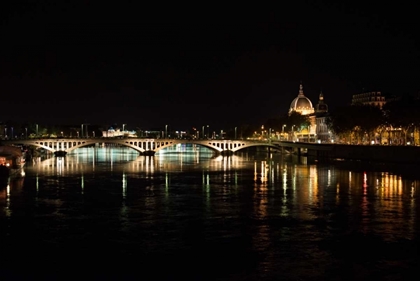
pixel 305 184
pixel 276 207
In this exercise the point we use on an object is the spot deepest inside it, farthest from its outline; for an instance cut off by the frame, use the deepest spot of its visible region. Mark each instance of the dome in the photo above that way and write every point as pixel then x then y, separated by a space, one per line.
pixel 301 104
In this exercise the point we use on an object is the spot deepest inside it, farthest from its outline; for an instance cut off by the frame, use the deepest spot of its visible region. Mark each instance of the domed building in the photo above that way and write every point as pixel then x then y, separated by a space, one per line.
pixel 301 103
pixel 318 129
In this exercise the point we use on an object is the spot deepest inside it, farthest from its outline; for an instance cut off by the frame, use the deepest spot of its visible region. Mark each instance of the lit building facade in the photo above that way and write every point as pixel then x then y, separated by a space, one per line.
pixel 369 98
pixel 318 128
pixel 112 133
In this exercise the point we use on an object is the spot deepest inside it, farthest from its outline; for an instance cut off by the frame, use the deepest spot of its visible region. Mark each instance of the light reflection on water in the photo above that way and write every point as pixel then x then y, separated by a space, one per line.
pixel 261 216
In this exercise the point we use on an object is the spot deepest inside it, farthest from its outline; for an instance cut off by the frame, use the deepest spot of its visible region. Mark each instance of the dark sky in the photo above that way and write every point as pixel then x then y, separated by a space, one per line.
pixel 190 66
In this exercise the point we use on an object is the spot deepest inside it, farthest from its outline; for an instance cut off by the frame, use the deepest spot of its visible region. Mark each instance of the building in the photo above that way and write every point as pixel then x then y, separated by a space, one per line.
pixel 369 98
pixel 318 128
pixel 321 114
pixel 113 133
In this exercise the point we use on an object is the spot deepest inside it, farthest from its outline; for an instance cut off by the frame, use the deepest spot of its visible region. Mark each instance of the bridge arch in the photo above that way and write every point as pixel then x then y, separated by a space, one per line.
pixel 200 143
pixel 248 145
pixel 101 141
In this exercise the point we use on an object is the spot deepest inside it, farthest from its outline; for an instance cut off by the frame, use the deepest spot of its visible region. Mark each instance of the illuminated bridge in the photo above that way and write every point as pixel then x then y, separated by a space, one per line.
pixel 403 154
pixel 143 146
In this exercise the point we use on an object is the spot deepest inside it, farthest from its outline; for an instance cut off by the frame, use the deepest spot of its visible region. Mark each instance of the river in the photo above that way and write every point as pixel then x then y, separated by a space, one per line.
pixel 184 214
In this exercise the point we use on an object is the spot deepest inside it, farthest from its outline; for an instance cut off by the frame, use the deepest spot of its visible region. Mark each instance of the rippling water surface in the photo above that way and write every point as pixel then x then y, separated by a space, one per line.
pixel 109 214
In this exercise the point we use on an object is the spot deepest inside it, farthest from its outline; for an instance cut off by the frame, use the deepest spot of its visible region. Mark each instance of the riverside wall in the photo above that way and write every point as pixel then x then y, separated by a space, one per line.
pixel 398 154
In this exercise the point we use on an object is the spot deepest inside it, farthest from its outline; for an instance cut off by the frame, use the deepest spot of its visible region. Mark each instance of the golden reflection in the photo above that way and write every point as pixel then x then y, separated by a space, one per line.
pixel 365 180
pixel 390 185
pixel 8 198
pixel 329 178
pixel 261 192
pixel 313 183
pixel 284 178
pixel 11 188
pixel 413 187
pixel 350 182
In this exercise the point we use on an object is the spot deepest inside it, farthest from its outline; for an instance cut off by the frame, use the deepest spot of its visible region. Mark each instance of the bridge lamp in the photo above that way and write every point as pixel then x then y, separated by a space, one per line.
pixel 309 133
pixel 293 133
pixel 282 130
pixel 235 132
pixel 208 133
pixel 166 131
pixel 26 133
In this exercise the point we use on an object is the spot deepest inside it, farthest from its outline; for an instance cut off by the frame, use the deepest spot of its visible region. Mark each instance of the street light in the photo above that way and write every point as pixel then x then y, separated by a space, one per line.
pixel 202 132
pixel 235 132
pixel 309 133
pixel 208 134
pixel 87 135
pixel 36 130
pixel 12 132
pixel 26 132
pixel 282 131
pixel 293 133
pixel 166 131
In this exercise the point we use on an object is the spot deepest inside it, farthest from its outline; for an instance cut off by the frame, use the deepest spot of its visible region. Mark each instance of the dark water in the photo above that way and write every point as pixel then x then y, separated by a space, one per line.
pixel 108 214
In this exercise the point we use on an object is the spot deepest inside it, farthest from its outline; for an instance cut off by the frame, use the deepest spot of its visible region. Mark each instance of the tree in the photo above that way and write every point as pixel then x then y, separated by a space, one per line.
pixel 298 120
pixel 403 114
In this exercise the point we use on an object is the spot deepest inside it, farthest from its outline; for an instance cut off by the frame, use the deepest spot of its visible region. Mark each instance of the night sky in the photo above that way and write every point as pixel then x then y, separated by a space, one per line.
pixel 188 66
